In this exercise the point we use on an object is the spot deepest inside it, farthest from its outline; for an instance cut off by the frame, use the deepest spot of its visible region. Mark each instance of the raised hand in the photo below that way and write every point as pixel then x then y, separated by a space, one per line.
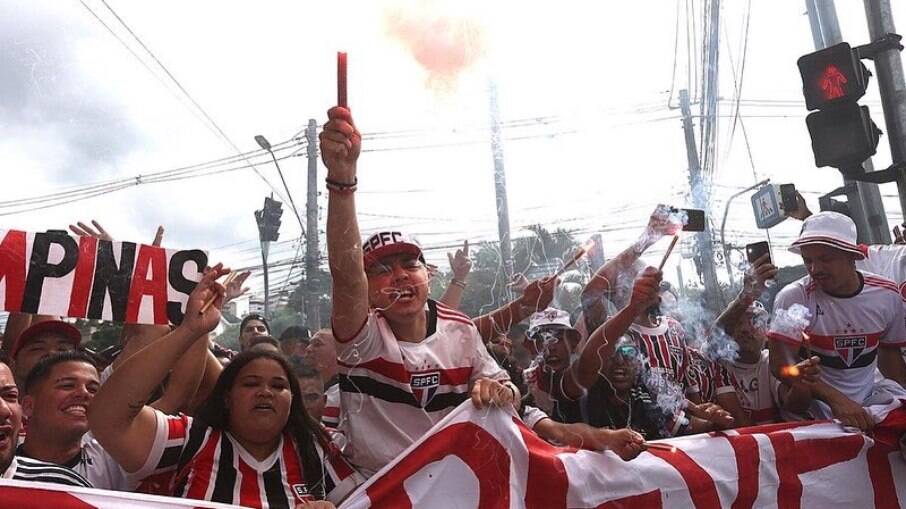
pixel 538 294
pixel 755 279
pixel 645 289
pixel 83 230
pixel 802 210
pixel 460 263
pixel 234 288
pixel 341 144
pixel 202 322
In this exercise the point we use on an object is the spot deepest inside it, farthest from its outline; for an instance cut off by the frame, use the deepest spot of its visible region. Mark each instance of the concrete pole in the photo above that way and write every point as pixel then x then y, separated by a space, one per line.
pixel 889 70
pixel 503 216
pixel 864 198
pixel 312 250
pixel 705 251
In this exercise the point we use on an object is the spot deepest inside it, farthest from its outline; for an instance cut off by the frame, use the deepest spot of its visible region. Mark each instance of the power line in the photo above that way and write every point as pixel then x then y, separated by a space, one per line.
pixel 179 85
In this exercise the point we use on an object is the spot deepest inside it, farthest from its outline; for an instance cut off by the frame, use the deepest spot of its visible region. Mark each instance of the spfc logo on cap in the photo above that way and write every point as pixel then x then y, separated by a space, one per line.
pixel 424 385
pixel 849 348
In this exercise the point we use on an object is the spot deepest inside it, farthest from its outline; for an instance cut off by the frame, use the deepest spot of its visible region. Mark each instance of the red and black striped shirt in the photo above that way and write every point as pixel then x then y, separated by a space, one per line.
pixel 191 460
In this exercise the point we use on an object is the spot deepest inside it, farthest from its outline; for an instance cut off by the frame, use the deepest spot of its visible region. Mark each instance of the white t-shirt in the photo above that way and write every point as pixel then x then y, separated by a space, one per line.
pixel 757 389
pixel 846 332
pixel 392 392
pixel 888 261
pixel 331 416
pixel 100 468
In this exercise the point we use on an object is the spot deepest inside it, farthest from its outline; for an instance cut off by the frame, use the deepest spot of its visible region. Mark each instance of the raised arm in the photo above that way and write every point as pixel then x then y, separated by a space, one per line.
pixel 119 417
pixel 601 343
pixel 185 379
pixel 753 285
pixel 536 296
pixel 340 147
pixel 460 265
pixel 593 309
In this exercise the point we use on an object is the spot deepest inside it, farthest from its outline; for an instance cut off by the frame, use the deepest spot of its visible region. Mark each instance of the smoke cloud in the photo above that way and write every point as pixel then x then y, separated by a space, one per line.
pixel 443 42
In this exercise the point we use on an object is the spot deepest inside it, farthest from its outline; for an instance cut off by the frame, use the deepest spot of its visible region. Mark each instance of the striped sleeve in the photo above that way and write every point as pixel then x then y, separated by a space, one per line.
pixel 28 469
pixel 724 381
pixel 169 440
pixel 330 418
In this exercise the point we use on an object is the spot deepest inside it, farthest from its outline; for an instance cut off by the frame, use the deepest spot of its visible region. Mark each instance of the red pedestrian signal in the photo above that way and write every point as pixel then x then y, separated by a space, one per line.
pixel 833 83
pixel 843 134
pixel 832 75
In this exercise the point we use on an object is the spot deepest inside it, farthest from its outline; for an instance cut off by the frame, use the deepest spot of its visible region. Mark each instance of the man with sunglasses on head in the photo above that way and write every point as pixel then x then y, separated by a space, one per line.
pixel 405 361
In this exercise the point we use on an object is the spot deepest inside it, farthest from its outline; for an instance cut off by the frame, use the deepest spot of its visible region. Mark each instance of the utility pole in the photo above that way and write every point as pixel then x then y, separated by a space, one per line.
pixel 265 247
pixel 312 252
pixel 864 199
pixel 889 68
pixel 705 250
pixel 503 216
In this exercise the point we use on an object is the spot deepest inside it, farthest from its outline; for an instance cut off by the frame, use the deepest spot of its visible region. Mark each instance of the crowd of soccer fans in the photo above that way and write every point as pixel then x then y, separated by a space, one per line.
pixel 297 419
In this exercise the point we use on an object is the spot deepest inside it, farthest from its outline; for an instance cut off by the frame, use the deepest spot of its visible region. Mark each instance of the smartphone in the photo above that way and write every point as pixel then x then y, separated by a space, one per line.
pixel 756 250
pixel 695 220
pixel 788 200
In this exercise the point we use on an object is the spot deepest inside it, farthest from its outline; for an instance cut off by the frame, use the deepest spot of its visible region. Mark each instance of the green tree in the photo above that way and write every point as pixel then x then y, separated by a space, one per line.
pixel 536 255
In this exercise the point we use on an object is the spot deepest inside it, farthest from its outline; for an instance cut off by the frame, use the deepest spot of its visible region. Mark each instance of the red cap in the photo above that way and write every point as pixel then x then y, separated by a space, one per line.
pixel 47 327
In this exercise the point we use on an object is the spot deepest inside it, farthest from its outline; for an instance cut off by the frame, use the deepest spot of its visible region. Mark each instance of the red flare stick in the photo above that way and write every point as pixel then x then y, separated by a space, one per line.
pixel 341 79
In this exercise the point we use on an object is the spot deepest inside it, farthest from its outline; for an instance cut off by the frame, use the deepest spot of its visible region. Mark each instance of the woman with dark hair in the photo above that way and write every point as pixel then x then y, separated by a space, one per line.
pixel 251 443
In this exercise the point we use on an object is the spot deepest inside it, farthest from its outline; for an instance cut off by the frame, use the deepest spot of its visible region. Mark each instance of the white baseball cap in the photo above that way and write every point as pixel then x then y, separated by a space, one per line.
pixel 831 229
pixel 386 243
pixel 550 318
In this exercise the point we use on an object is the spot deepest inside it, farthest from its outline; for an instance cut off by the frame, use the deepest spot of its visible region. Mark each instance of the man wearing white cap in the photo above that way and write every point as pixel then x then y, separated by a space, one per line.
pixel 855 324
pixel 405 361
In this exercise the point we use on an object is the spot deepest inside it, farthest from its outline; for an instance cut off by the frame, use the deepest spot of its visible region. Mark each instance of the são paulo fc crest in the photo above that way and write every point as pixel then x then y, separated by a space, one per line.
pixel 849 347
pixel 301 492
pixel 424 385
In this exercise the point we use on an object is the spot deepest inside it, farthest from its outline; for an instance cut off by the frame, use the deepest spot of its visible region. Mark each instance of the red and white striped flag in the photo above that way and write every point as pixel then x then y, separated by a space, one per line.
pixel 488 459
pixel 39 495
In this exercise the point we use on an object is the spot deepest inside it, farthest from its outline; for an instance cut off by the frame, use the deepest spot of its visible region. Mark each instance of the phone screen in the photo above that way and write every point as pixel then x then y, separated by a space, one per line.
pixel 756 250
pixel 696 220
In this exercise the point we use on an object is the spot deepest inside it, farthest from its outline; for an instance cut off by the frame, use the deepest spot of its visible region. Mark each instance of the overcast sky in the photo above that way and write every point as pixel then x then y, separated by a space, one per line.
pixel 584 86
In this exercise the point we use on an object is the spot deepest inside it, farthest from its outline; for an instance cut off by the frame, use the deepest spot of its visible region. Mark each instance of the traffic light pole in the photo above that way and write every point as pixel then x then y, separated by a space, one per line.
pixel 265 247
pixel 312 252
pixel 864 199
pixel 889 68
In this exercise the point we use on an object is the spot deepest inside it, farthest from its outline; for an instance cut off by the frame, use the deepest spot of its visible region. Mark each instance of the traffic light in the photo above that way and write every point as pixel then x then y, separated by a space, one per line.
pixel 843 134
pixel 268 220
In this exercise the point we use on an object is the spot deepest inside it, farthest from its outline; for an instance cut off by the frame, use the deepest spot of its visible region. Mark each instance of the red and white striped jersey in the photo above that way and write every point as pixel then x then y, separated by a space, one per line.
pixel 708 378
pixel 665 350
pixel 757 389
pixel 392 392
pixel 330 418
pixel 887 261
pixel 191 460
pixel 845 332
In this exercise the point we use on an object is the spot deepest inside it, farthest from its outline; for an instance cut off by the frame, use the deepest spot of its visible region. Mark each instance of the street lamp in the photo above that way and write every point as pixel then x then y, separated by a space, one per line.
pixel 723 224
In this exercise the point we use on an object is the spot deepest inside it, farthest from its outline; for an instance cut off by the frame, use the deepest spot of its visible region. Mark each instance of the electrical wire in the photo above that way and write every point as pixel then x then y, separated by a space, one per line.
pixel 220 132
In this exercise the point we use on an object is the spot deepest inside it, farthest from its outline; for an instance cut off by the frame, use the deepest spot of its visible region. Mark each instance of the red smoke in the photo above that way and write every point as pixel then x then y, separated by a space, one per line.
pixel 444 44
